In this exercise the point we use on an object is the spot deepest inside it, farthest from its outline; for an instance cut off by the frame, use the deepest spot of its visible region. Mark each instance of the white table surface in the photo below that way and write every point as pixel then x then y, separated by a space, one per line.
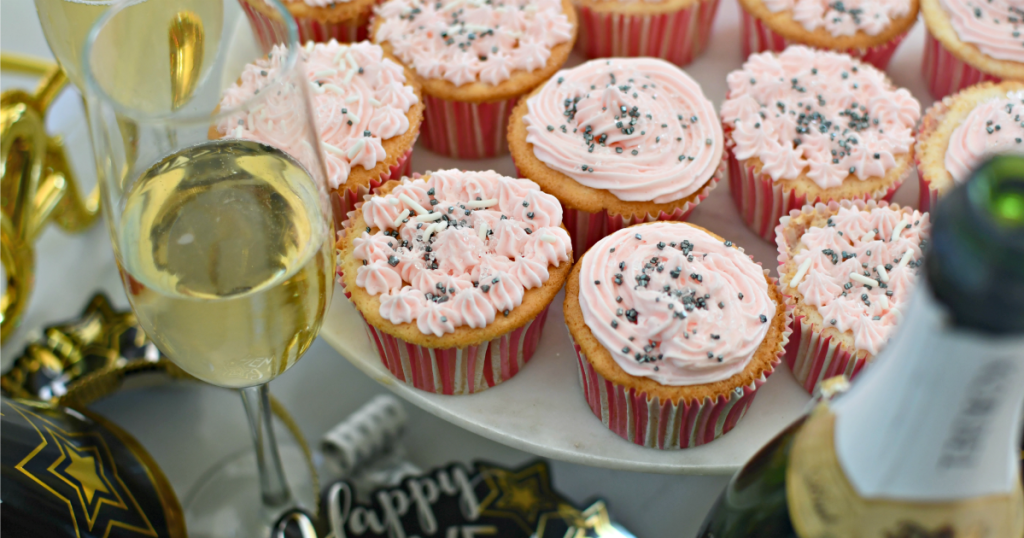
pixel 188 428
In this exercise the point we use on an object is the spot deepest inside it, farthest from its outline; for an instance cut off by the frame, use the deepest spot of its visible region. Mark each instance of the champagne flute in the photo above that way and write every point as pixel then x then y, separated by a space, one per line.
pixel 225 244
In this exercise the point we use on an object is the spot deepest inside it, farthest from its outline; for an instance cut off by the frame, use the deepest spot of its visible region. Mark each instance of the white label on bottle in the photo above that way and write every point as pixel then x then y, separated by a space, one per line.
pixel 937 415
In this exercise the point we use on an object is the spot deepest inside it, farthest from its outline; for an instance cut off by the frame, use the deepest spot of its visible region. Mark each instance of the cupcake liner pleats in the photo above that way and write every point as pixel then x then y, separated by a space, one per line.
pixel 462 370
pixel 762 201
pixel 758 37
pixel 355 195
pixel 678 37
pixel 945 73
pixel 310 29
pixel 814 357
pixel 465 130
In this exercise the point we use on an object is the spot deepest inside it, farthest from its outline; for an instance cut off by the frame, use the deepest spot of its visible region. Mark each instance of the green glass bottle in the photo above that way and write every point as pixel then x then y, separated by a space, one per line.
pixel 926 442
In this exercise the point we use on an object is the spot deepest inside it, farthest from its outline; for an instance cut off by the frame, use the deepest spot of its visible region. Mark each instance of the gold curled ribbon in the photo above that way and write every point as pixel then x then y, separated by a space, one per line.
pixel 37 184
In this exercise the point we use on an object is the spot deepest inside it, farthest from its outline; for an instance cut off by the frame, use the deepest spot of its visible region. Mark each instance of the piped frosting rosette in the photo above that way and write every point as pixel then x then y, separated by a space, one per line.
pixel 619 141
pixel 675 329
pixel 453 274
pixel 367 112
pixel 805 126
pixel 847 270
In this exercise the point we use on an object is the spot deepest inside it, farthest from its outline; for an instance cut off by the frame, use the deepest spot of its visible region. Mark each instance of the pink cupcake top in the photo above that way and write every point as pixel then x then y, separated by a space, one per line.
pixel 639 128
pixel 845 17
pixel 996 126
pixel 458 248
pixel 673 304
pixel 859 270
pixel 818 113
pixel 994 26
pixel 468 41
pixel 360 99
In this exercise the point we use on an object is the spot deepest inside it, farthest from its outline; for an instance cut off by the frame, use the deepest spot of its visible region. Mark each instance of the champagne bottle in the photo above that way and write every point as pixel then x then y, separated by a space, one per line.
pixel 926 442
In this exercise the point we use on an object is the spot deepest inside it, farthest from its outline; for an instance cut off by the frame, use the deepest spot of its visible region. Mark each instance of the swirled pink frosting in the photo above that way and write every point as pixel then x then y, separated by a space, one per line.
pixel 458 248
pixel 818 113
pixel 994 26
pixel 639 128
pixel 674 304
pixel 996 126
pixel 465 41
pixel 864 243
pixel 360 99
pixel 843 18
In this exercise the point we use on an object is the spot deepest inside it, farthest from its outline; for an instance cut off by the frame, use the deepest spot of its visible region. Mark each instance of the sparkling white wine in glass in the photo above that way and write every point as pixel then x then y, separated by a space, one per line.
pixel 227 260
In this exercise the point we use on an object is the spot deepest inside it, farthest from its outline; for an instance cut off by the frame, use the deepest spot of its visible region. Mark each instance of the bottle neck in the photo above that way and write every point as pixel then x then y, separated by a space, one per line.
pixel 937 416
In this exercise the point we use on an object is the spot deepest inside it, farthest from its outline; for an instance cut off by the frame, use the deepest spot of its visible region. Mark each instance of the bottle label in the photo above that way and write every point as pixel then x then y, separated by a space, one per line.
pixel 823 503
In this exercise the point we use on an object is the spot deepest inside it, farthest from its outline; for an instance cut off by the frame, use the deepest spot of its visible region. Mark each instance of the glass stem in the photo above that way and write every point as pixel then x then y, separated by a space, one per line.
pixel 273 486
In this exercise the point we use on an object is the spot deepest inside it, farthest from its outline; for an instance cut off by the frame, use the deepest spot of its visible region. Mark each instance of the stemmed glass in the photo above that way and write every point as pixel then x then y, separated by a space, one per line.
pixel 225 244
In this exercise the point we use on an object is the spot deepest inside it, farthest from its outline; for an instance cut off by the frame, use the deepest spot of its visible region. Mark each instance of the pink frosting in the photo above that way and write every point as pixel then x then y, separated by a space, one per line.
pixel 674 304
pixel 994 26
pixel 467 41
pixel 843 18
pixel 360 99
pixel 818 113
pixel 861 242
pixel 458 248
pixel 639 128
pixel 996 126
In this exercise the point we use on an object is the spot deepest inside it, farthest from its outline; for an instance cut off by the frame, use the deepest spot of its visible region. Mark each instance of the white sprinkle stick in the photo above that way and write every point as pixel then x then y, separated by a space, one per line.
pixel 392 201
pixel 325 73
pixel 352 117
pixel 356 148
pixel 317 89
pixel 882 273
pixel 409 202
pixel 800 272
pixel 401 217
pixel 857 277
pixel 899 228
pixel 899 315
pixel 548 238
pixel 373 101
pixel 334 88
pixel 333 149
pixel 348 76
pixel 351 62
pixel 238 132
pixel 885 301
pixel 351 99
pixel 338 55
pixel 481 232
pixel 480 204
pixel 429 217
pixel 870 236
pixel 906 258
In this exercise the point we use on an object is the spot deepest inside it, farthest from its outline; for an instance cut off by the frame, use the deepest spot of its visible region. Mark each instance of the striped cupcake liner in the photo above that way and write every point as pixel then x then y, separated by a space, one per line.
pixel 926 196
pixel 347 31
pixel 813 357
pixel 647 421
pixel 758 37
pixel 945 73
pixel 459 370
pixel 585 229
pixel 678 37
pixel 346 203
pixel 465 130
pixel 762 202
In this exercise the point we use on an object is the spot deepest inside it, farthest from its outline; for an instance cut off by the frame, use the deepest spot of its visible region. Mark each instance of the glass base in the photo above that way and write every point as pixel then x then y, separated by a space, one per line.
pixel 227 502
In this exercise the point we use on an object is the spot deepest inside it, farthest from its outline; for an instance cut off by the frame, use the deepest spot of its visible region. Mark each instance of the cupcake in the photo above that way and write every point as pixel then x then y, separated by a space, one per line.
pixel 346 21
pixel 619 142
pixel 806 126
pixel 674 330
pixel 674 30
pixel 455 296
pixel 869 30
pixel 475 60
pixel 846 270
pixel 971 41
pixel 959 132
pixel 367 112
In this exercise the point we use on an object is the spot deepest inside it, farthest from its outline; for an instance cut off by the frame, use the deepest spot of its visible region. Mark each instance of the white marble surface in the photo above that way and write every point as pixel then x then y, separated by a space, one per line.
pixel 188 428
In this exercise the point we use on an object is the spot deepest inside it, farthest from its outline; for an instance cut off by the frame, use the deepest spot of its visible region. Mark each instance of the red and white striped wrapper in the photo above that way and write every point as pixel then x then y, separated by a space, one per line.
pixel 945 73
pixel 353 196
pixel 465 370
pixel 814 358
pixel 758 37
pixel 762 201
pixel 678 37
pixel 465 130
pixel 926 196
pixel 348 31
pixel 585 228
pixel 652 423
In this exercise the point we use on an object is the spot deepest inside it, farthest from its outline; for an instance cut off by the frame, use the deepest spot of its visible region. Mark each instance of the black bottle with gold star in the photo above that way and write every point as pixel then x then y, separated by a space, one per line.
pixel 70 473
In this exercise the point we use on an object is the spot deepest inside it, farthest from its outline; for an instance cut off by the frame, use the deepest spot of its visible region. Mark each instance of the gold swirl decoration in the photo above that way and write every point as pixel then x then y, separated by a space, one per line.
pixel 37 184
